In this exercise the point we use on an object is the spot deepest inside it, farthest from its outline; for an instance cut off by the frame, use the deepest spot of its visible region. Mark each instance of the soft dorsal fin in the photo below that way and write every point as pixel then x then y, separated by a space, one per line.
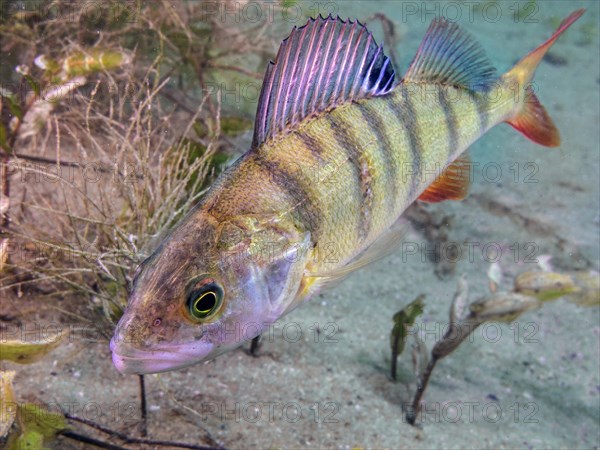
pixel 320 65
pixel 452 184
pixel 449 55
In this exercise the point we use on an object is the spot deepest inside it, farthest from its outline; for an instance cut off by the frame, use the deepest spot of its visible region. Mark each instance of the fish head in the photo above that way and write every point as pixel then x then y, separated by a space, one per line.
pixel 210 286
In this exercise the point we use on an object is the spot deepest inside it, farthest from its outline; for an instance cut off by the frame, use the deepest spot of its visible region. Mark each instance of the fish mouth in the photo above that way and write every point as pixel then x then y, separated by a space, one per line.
pixel 131 360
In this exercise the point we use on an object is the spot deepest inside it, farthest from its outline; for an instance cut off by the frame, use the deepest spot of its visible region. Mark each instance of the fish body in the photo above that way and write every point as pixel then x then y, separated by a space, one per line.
pixel 347 176
pixel 340 150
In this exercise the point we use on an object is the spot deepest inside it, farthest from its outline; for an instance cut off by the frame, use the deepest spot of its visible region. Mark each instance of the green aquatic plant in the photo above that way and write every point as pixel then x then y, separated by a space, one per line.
pixel 24 352
pixel 37 426
pixel 403 320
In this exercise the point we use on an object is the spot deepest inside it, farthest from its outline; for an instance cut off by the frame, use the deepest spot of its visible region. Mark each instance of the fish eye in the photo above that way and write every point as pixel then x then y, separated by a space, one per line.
pixel 205 298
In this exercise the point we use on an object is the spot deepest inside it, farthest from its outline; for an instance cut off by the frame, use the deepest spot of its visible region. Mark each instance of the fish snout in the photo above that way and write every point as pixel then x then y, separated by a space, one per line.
pixel 131 360
pixel 147 362
pixel 139 348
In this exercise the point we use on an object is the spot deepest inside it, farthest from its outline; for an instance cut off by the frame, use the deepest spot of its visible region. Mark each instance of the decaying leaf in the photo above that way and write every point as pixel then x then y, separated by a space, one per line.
pixel 4 204
pixel 503 307
pixel 420 356
pixel 31 440
pixel 531 290
pixel 461 298
pixel 545 286
pixel 494 274
pixel 93 61
pixel 588 284
pixel 403 320
pixel 4 242
pixel 36 116
pixel 24 352
pixel 8 410
pixel 582 288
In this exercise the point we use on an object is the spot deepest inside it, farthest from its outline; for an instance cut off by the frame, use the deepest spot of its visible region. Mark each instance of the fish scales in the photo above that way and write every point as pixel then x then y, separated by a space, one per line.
pixel 324 192
pixel 340 150
pixel 401 171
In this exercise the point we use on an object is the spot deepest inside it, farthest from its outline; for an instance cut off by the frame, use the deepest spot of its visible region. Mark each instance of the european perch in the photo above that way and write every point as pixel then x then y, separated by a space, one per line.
pixel 272 231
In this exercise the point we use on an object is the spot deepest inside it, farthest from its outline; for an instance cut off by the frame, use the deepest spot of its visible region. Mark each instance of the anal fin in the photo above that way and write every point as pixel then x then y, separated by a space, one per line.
pixel 452 184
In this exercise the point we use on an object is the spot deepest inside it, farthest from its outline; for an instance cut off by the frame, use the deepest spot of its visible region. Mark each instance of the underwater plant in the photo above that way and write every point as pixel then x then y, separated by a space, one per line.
pixel 101 151
pixel 531 290
pixel 103 122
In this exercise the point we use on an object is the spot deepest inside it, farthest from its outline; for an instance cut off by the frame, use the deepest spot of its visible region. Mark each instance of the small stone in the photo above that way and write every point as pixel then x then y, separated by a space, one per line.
pixel 555 60
pixel 492 397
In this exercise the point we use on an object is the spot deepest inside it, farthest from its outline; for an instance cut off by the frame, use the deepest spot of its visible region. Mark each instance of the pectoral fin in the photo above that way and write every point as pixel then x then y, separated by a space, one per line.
pixel 384 246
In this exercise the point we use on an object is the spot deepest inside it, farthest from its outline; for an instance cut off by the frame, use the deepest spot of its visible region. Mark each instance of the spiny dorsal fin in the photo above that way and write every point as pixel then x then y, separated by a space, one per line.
pixel 322 64
pixel 452 184
pixel 449 55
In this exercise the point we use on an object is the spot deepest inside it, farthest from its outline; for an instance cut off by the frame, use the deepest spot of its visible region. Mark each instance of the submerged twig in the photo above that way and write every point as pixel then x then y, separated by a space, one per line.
pixel 389 36
pixel 125 438
pixel 143 409
pixel 91 441
pixel 255 345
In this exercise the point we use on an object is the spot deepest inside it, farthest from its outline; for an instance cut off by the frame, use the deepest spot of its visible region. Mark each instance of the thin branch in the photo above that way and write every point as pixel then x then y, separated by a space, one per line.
pixel 133 440
pixel 88 440
pixel 250 73
pixel 143 408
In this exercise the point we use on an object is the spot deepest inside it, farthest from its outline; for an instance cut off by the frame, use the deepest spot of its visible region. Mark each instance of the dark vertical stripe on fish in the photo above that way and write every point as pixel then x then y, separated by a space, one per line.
pixel 482 111
pixel 384 147
pixel 303 207
pixel 404 110
pixel 451 120
pixel 312 145
pixel 362 173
